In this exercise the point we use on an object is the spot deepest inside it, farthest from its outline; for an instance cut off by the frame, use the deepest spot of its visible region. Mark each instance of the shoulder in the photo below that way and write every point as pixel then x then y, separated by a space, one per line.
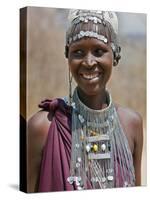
pixel 132 122
pixel 130 116
pixel 39 120
pixel 38 126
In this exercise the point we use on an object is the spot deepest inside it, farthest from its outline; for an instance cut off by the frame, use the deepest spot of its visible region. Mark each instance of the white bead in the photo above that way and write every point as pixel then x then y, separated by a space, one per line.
pixel 81 118
pixel 79 159
pixel 105 40
pixel 73 105
pixel 77 145
pixel 88 147
pixel 110 178
pixel 82 33
pixel 103 147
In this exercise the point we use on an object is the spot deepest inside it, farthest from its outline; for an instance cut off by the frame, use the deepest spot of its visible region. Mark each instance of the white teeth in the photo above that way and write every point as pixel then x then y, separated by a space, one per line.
pixel 90 76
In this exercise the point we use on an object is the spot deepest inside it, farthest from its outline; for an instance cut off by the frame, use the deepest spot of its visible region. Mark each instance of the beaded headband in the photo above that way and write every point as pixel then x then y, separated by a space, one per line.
pixel 96 18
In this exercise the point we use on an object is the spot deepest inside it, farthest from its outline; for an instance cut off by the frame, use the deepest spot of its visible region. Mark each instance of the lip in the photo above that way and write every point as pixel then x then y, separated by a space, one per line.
pixel 90 76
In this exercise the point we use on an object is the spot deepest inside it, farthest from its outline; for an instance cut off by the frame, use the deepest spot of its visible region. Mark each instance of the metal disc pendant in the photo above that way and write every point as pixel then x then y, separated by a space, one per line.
pixel 110 178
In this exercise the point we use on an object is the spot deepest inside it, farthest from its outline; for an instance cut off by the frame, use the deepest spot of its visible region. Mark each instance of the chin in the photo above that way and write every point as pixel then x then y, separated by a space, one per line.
pixel 90 91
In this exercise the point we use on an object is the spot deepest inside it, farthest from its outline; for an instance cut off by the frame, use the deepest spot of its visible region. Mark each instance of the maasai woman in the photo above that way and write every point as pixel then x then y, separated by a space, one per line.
pixel 86 141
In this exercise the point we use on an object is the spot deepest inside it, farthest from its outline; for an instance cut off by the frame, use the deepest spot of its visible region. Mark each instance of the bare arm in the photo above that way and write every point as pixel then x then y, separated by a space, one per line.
pixel 38 127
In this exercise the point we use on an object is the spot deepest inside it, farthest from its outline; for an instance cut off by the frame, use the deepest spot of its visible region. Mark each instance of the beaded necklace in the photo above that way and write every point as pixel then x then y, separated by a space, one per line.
pixel 100 151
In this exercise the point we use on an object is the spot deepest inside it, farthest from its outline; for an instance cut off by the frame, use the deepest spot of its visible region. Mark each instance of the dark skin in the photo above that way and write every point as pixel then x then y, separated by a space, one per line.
pixel 90 62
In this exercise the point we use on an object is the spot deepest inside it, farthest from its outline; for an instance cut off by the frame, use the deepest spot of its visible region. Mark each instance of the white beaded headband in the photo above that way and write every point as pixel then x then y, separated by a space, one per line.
pixel 92 34
pixel 96 16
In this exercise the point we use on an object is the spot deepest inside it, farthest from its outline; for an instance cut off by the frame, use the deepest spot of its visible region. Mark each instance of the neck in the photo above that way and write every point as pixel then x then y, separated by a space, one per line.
pixel 95 102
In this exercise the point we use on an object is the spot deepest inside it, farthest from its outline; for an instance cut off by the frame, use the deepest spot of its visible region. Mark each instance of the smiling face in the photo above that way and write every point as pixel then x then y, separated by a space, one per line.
pixel 90 61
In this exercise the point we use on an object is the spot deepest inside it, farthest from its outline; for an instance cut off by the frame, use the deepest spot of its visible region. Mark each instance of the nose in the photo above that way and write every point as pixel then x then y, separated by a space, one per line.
pixel 89 60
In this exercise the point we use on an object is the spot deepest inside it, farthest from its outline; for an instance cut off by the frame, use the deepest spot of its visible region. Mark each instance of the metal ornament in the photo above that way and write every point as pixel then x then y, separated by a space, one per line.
pixel 90 34
pixel 100 151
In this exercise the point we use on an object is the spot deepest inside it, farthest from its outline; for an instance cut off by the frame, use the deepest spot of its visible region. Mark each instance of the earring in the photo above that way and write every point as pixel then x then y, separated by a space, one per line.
pixel 70 88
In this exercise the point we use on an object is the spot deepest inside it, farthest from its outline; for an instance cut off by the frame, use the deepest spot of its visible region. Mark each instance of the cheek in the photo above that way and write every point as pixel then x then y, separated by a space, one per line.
pixel 70 64
pixel 73 65
pixel 108 61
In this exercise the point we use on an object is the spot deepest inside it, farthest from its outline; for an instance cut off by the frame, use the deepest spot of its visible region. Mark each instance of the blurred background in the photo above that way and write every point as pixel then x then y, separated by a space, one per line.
pixel 47 69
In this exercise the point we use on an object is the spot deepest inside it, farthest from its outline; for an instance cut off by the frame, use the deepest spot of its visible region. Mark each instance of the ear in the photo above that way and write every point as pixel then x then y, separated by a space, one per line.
pixel 115 63
pixel 66 51
pixel 117 56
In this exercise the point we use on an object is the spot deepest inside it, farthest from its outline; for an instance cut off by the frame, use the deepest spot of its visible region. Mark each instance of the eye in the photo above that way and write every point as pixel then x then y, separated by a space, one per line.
pixel 78 53
pixel 99 52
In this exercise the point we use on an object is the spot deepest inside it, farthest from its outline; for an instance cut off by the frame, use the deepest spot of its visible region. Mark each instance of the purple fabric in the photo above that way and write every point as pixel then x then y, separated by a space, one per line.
pixel 56 156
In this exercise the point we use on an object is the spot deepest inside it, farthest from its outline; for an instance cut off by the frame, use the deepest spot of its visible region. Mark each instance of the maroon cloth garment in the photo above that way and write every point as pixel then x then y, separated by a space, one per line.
pixel 56 157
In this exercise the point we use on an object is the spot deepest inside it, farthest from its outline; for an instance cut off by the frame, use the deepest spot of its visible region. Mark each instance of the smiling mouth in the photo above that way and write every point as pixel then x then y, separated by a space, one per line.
pixel 90 76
